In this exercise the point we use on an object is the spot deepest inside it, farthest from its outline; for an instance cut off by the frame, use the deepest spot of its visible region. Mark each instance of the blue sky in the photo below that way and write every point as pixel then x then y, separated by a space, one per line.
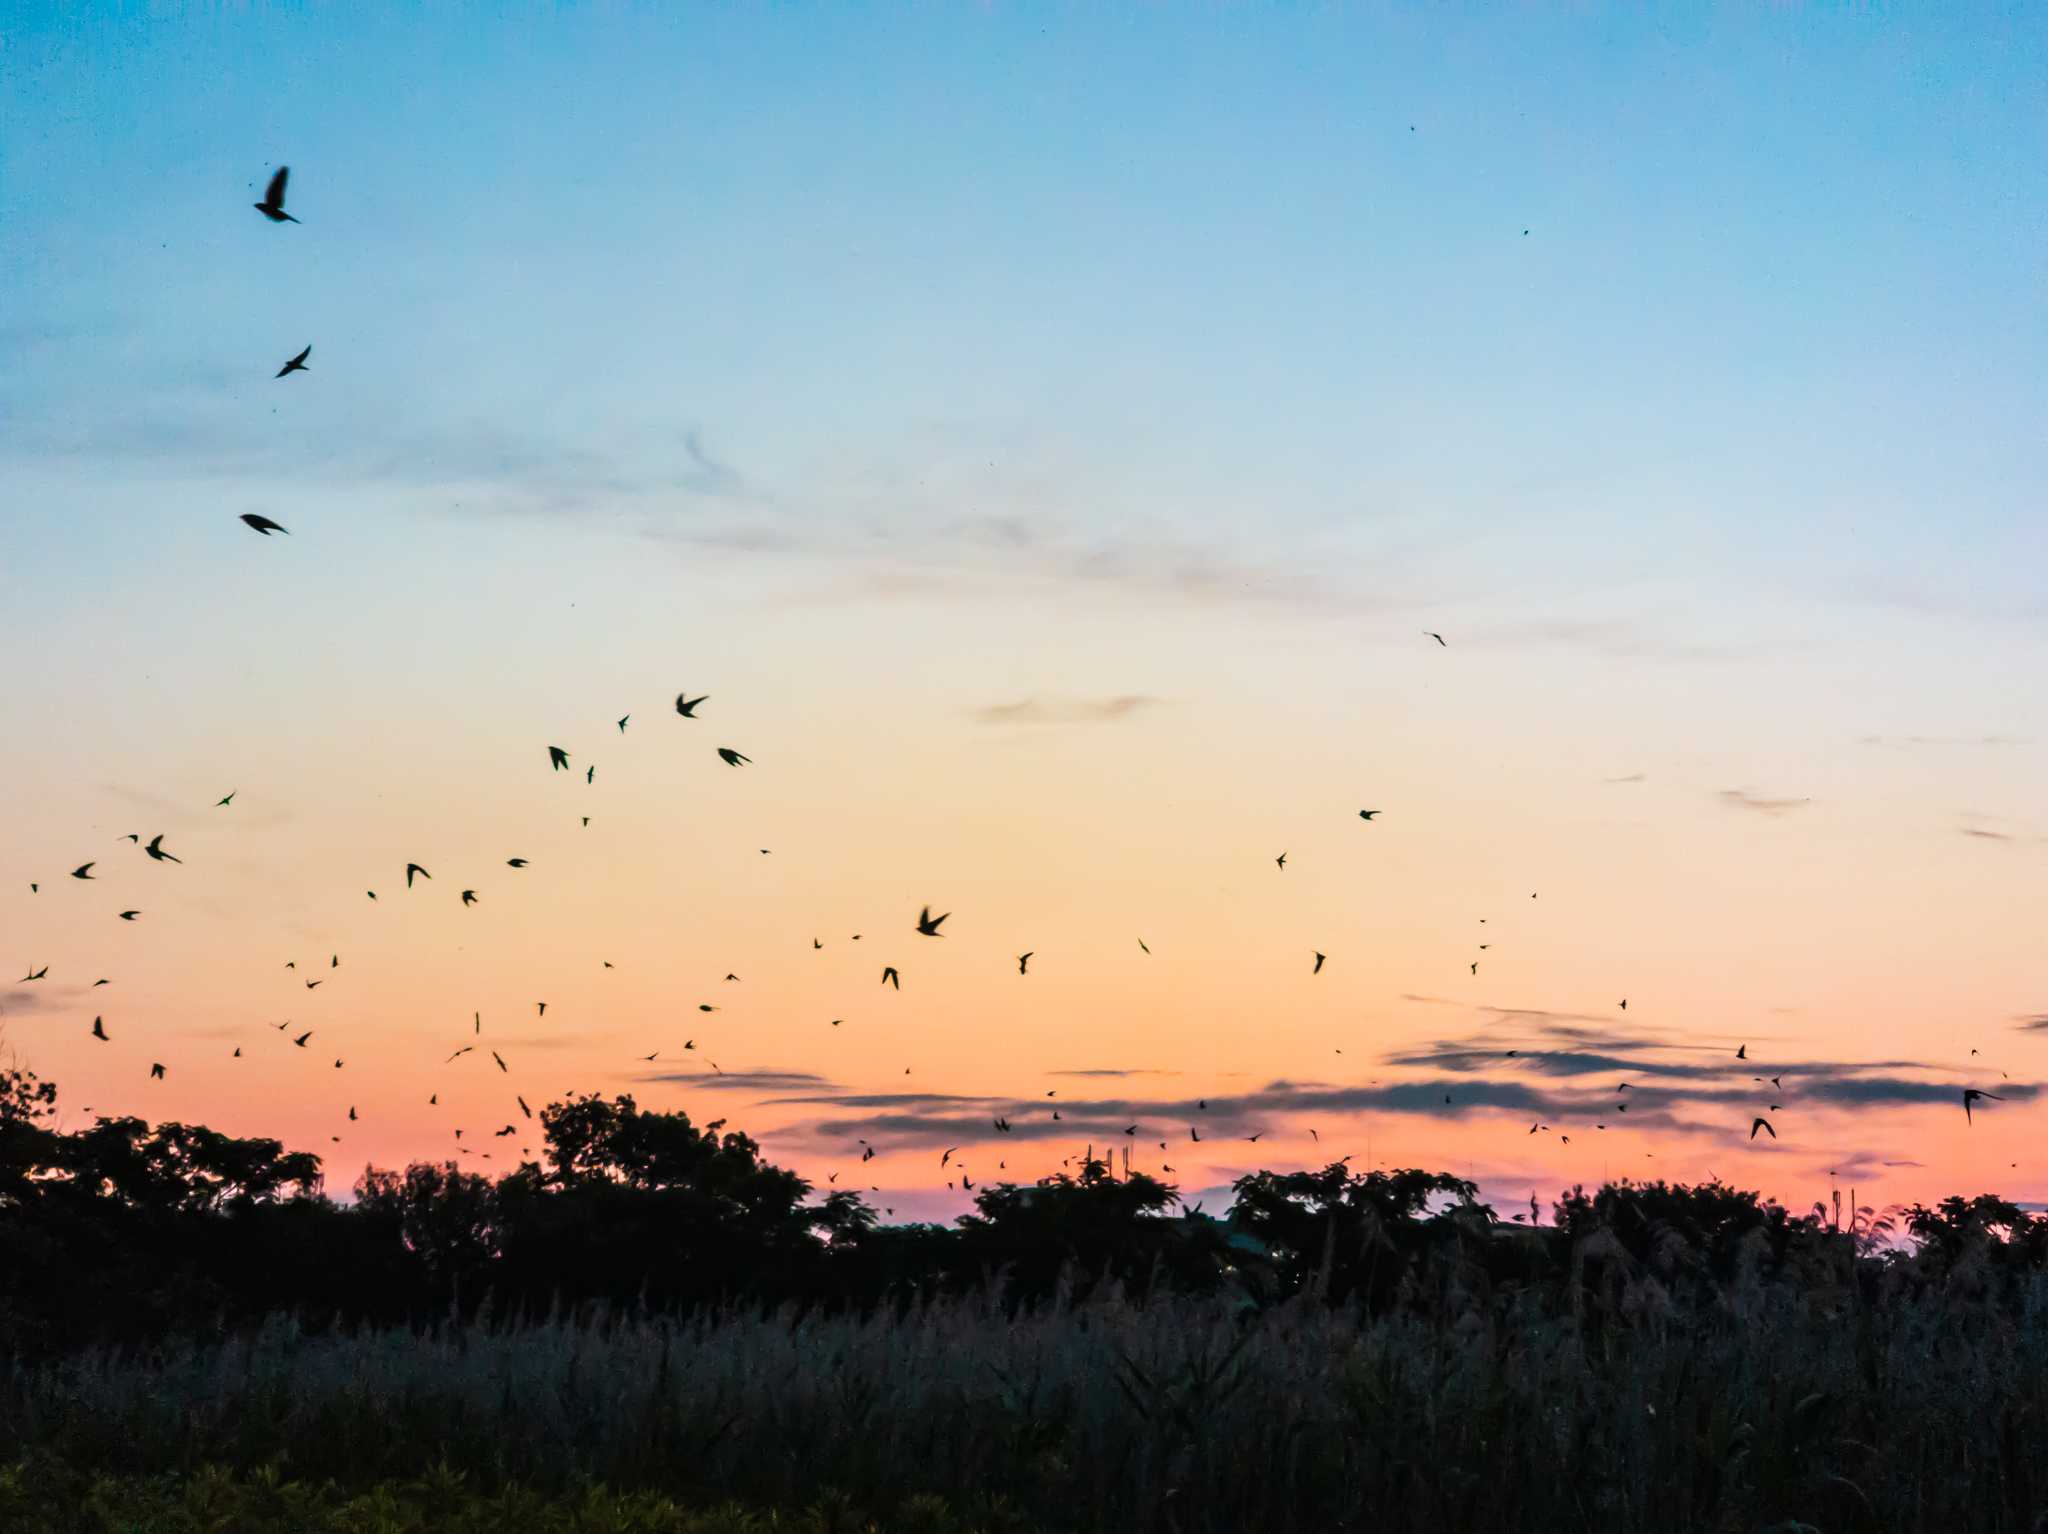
pixel 897 363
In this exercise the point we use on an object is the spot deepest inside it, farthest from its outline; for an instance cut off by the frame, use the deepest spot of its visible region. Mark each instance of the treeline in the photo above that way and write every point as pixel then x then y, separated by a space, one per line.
pixel 128 1231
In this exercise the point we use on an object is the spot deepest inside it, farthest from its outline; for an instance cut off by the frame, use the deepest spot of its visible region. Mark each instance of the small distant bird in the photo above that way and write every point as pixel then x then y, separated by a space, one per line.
pixel 557 758
pixel 928 924
pixel 156 850
pixel 1436 636
pixel 263 524
pixel 590 773
pixel 1130 1129
pixel 301 1039
pixel 351 1113
pixel 730 757
pixel 515 862
pixel 890 977
pixel 522 1105
pixel 622 722
pixel 1475 966
pixel 312 984
pixel 1742 1053
pixel 130 915
pixel 1281 861
pixel 297 364
pixel 1972 1095
pixel 1319 964
pixel 156 1073
pixel 272 206
pixel 1763 1124
pixel 1023 961
pixel 414 868
pixel 687 705
pixel 458 1054
pixel 501 1061
pixel 1002 1126
pixel 469 897
pixel 1254 1139
pixel 36 974
pixel 82 871
pixel 1141 944
pixel 947 1155
pixel 1367 814
pixel 99 1031
pixel 223 802
pixel 543 1008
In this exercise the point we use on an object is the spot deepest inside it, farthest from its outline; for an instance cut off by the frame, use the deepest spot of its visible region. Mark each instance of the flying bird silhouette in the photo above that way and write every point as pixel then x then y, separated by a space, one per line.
pixel 297 364
pixel 272 206
pixel 129 915
pixel 622 722
pixel 1319 964
pixel 1972 1095
pixel 414 868
pixel 687 705
pixel 1367 814
pixel 82 871
pixel 263 524
pixel 156 850
pixel 928 924
pixel 1281 860
pixel 1763 1124
pixel 557 758
pixel 1436 636
pixel 515 862
pixel 301 1039
pixel 469 897
pixel 223 802
pixel 99 1031
pixel 156 1073
pixel 1023 962
pixel 730 757
pixel 890 977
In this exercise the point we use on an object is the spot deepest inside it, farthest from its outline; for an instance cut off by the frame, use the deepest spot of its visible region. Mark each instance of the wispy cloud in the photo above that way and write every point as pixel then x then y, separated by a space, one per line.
pixel 1634 777
pixel 1743 799
pixel 1904 741
pixel 1036 710
pixel 1983 835
pixel 740 1081
pixel 1142 1070
pixel 2036 1023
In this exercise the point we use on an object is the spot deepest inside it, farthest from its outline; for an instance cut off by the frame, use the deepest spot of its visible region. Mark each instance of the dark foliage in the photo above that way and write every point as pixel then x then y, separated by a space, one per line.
pixel 126 1232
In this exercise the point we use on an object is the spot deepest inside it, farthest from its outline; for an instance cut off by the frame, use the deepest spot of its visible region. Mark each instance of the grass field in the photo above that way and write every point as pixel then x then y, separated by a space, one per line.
pixel 1765 1409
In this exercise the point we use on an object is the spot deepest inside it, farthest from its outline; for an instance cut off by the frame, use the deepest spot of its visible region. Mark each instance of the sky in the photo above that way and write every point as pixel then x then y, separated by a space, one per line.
pixel 1049 436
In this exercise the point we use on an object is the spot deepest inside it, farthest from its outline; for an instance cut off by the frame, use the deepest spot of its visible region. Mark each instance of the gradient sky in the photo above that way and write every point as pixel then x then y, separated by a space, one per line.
pixel 1046 434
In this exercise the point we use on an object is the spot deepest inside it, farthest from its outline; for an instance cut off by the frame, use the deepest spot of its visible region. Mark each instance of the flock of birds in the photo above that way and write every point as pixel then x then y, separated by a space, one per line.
pixel 928 925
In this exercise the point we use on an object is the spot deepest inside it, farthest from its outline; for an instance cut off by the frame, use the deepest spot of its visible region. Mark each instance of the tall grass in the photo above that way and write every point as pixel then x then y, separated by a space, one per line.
pixel 1176 1415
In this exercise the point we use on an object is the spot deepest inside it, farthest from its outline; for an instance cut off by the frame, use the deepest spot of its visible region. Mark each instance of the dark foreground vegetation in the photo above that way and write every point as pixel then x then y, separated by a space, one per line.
pixel 656 1330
